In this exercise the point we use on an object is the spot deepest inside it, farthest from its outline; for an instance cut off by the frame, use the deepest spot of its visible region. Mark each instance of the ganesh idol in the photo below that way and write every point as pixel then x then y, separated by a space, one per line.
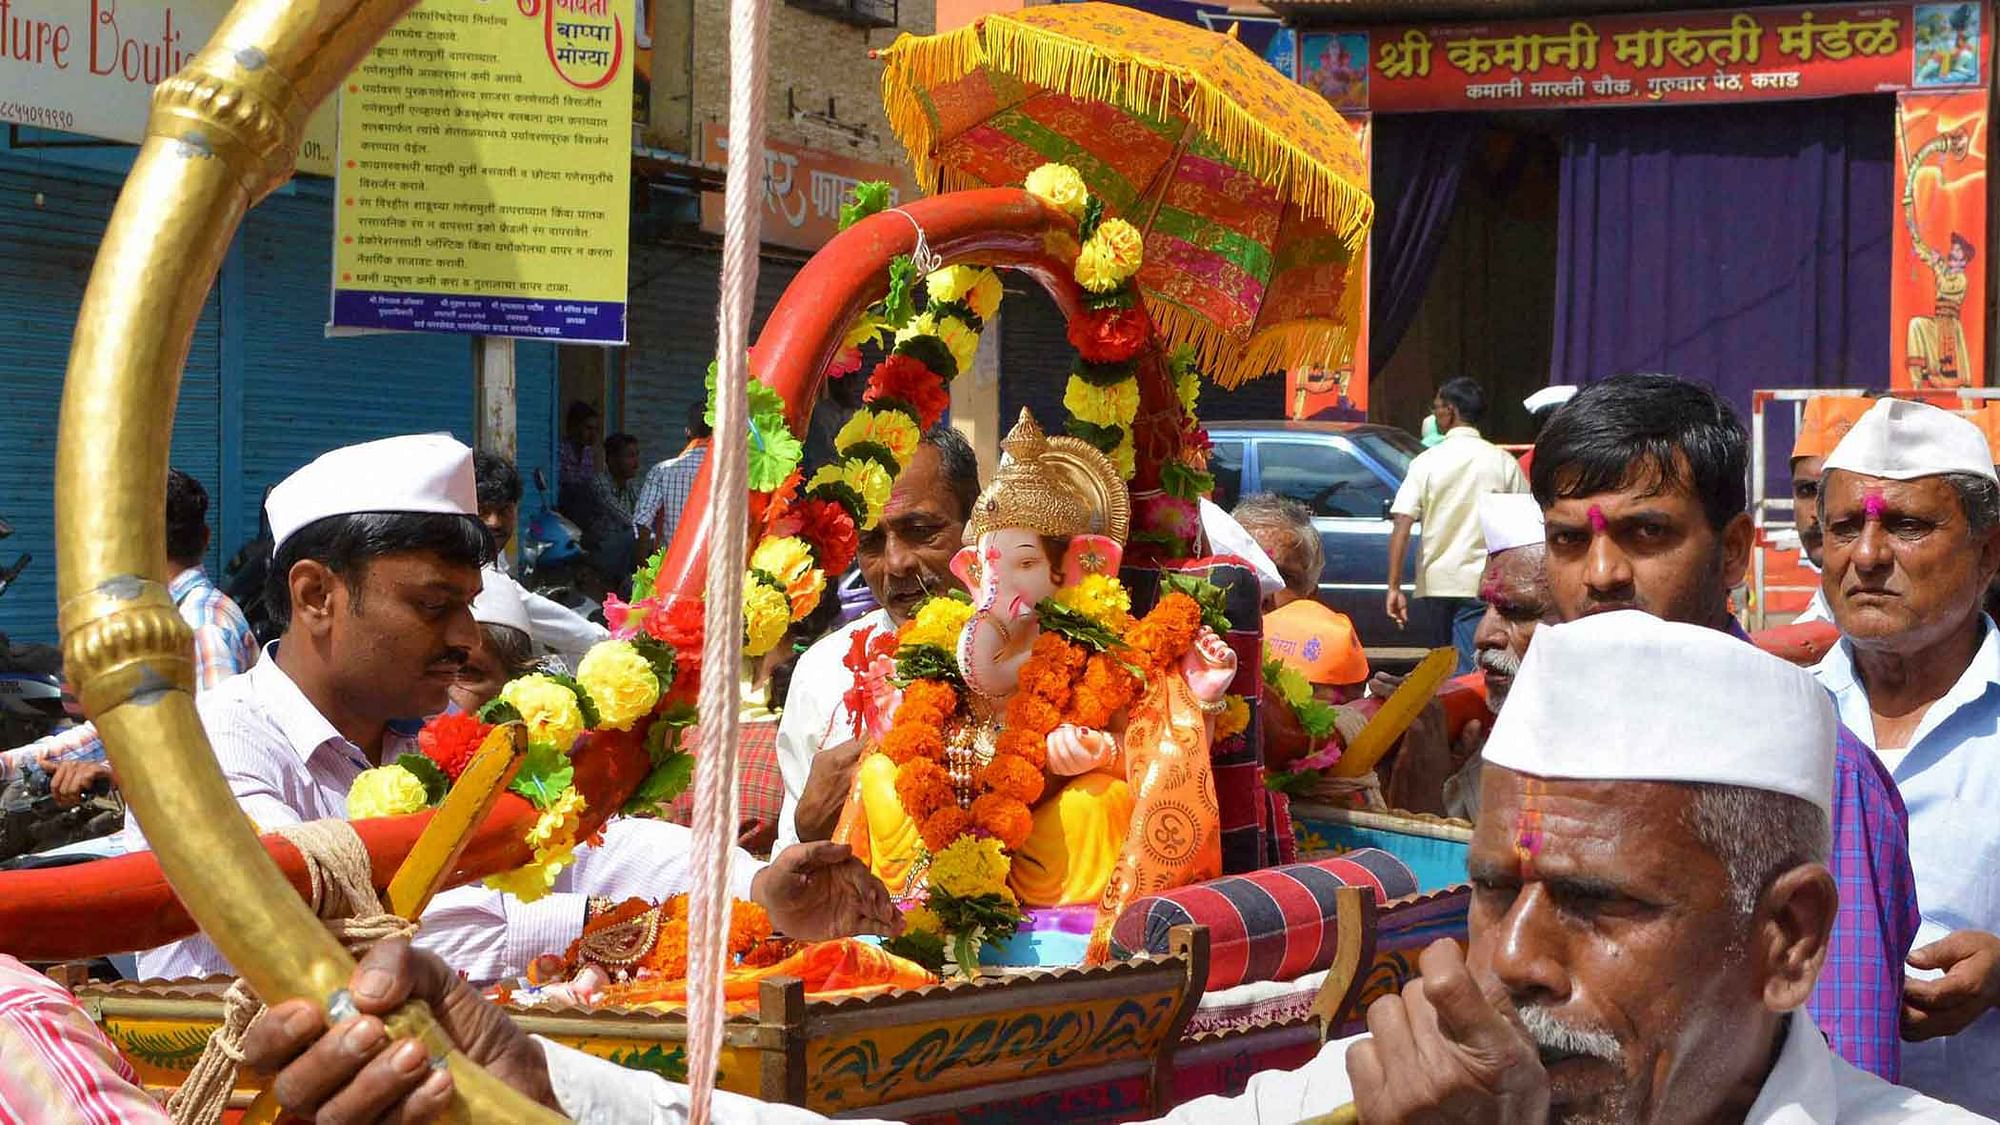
pixel 1110 718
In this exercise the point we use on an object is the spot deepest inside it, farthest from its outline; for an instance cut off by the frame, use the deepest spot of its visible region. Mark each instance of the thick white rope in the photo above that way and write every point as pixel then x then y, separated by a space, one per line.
pixel 722 645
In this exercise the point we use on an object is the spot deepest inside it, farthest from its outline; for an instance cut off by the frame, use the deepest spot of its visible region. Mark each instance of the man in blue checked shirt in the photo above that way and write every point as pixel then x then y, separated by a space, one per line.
pixel 1641 479
pixel 223 646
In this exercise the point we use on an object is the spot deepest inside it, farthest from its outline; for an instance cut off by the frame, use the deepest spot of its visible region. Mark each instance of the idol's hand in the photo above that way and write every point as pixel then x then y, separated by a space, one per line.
pixel 1444 1050
pixel 1969 988
pixel 1075 750
pixel 353 1072
pixel 819 891
pixel 1209 666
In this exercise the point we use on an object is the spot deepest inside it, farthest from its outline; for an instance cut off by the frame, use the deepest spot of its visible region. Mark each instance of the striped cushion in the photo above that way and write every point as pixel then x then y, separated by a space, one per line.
pixel 1271 925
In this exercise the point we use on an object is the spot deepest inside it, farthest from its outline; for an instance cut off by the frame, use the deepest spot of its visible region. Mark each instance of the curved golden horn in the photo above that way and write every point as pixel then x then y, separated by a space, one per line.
pixel 223 134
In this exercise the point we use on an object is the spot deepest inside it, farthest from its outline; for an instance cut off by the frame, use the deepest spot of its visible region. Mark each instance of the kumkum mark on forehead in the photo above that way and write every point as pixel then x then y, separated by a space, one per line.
pixel 1598 524
pixel 1872 503
pixel 1528 822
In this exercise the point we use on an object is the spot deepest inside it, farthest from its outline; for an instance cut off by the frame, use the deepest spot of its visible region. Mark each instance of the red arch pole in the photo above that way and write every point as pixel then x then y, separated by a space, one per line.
pixel 124 904
pixel 1001 227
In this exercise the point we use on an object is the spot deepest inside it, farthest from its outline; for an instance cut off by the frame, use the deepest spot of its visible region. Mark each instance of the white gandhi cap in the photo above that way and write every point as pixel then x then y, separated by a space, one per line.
pixel 499 602
pixel 1548 398
pixel 1510 520
pixel 1902 440
pixel 416 473
pixel 1628 697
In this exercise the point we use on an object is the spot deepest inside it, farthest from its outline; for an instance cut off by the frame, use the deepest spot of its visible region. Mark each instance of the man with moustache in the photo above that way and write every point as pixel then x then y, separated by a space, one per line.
pixel 1823 421
pixel 1911 508
pixel 376 563
pixel 905 559
pixel 1515 589
pixel 1641 479
pixel 1650 909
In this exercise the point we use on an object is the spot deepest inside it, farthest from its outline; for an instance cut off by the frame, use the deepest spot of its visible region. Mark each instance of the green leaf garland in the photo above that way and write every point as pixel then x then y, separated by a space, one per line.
pixel 863 200
pixel 545 772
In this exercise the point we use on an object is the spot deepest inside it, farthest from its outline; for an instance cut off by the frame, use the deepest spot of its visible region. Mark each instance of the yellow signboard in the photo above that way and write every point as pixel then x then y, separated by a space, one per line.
pixel 89 66
pixel 484 170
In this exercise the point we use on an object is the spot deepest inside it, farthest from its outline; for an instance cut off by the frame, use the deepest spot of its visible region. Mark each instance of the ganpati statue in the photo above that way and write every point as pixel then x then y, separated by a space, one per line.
pixel 1125 801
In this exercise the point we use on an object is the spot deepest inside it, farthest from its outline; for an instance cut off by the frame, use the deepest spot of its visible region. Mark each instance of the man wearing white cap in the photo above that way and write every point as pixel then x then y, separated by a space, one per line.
pixel 1650 910
pixel 1642 484
pixel 506 643
pixel 376 558
pixel 1542 405
pixel 1911 514
pixel 1515 588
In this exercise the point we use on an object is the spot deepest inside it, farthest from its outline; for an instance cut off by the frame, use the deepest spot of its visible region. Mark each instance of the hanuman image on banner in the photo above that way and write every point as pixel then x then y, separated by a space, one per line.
pixel 1938 285
pixel 1937 352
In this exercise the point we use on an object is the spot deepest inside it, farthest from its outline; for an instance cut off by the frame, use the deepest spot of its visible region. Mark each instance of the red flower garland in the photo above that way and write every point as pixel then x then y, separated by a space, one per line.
pixel 1110 335
pixel 907 380
pixel 451 740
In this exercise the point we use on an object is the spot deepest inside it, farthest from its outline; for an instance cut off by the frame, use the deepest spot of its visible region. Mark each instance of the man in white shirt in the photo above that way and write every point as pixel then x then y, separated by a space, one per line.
pixel 1442 491
pixel 1650 912
pixel 378 547
pixel 905 559
pixel 1911 513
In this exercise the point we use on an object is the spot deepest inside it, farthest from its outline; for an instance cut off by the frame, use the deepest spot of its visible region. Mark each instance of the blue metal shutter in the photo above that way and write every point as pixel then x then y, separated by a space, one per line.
pixel 51 221
pixel 305 393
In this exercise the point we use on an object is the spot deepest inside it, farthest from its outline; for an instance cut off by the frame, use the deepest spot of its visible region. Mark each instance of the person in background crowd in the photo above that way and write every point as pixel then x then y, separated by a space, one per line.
pixel 1642 484
pixel 608 526
pixel 1442 491
pixel 56 1064
pixel 1542 406
pixel 554 626
pixel 1223 537
pixel 378 558
pixel 657 514
pixel 576 454
pixel 1650 910
pixel 506 650
pixel 906 559
pixel 1911 511
pixel 1298 629
pixel 223 647
pixel 1824 420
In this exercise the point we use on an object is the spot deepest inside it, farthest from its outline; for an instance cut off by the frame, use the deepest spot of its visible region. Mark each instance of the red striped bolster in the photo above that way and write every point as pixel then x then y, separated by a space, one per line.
pixel 1267 925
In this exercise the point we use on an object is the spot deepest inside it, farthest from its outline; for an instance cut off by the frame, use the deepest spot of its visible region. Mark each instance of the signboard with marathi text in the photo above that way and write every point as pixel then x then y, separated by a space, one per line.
pixel 1937 289
pixel 1821 50
pixel 89 66
pixel 803 189
pixel 485 171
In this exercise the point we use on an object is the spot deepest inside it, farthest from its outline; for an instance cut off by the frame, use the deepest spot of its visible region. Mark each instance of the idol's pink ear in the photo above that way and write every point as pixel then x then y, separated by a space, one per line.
pixel 1088 555
pixel 965 564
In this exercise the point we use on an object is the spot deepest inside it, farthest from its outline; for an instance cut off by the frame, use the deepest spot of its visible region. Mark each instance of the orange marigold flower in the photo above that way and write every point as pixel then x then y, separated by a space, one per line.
pixel 923 787
pixel 1013 776
pixel 907 743
pixel 1107 688
pixel 668 960
pixel 930 697
pixel 943 826
pixel 1028 746
pixel 749 926
pixel 1033 713
pixel 1004 818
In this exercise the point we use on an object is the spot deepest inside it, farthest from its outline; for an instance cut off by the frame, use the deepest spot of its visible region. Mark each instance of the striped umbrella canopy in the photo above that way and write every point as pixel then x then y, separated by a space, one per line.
pixel 1248 186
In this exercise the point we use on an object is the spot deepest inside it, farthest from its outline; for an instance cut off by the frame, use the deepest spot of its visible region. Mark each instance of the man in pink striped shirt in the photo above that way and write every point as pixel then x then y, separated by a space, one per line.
pixel 375 563
pixel 55 1065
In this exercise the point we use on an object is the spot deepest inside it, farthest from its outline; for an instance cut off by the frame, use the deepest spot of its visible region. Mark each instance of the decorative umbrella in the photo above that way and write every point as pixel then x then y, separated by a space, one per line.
pixel 1248 186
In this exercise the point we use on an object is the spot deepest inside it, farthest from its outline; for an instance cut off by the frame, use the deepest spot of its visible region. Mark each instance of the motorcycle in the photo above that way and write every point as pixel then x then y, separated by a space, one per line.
pixel 31 692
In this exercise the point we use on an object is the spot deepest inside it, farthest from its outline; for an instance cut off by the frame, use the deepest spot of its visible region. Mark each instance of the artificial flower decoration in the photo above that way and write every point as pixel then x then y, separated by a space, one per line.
pixel 1113 335
pixel 767 614
pixel 623 685
pixel 548 707
pixel 385 791
pixel 867 481
pixel 1115 405
pixel 977 287
pixel 903 381
pixel 450 740
pixel 1060 185
pixel 890 431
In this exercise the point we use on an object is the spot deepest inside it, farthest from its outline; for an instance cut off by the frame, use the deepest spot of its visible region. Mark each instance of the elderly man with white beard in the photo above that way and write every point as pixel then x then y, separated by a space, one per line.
pixel 1650 911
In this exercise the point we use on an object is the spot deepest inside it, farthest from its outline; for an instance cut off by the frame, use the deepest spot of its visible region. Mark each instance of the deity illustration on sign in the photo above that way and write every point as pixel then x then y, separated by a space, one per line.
pixel 1337 67
pixel 1937 351
pixel 1947 47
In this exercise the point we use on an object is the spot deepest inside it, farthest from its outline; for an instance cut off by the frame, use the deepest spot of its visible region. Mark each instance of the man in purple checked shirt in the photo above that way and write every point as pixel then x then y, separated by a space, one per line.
pixel 1641 479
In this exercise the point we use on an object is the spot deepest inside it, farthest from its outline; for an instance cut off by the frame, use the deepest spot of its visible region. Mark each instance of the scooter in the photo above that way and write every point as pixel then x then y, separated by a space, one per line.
pixel 31 693
pixel 553 561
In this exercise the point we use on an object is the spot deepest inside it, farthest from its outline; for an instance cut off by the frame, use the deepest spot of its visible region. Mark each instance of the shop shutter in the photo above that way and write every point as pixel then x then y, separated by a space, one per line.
pixel 52 218
pixel 672 308
pixel 304 393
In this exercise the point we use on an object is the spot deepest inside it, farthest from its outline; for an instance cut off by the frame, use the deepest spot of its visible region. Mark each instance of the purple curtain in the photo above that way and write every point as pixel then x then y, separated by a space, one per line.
pixel 1419 162
pixel 1742 246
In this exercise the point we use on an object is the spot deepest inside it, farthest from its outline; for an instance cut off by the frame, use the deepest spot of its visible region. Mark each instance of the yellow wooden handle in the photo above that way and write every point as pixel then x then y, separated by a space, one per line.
pixel 1397 713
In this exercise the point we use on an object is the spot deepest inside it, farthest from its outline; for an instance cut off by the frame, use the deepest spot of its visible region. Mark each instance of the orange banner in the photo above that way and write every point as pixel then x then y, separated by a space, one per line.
pixel 1316 392
pixel 1938 286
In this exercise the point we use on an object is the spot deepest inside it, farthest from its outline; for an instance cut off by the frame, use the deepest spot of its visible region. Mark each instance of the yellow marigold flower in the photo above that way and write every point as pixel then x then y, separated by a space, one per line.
pixel 767 613
pixel 985 295
pixel 867 479
pixel 1099 597
pixel 939 622
pixel 1111 256
pixel 385 791
pixel 548 708
pixel 971 866
pixel 868 329
pixel 960 339
pixel 1125 458
pixel 1290 684
pixel 891 429
pixel 923 920
pixel 787 559
pixel 1115 405
pixel 1061 185
pixel 559 821
pixel 1187 386
pixel 1234 719
pixel 621 683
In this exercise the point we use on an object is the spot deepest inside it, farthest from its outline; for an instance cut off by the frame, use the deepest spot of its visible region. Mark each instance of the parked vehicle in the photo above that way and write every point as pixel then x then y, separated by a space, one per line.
pixel 31 694
pixel 1347 473
pixel 553 561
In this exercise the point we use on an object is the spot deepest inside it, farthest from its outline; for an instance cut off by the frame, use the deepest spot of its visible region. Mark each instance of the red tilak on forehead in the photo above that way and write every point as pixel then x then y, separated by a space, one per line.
pixel 1872 503
pixel 1598 524
pixel 1528 824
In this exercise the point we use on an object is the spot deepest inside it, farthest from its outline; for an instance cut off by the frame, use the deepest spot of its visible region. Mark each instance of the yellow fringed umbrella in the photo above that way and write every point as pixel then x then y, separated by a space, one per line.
pixel 1248 185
